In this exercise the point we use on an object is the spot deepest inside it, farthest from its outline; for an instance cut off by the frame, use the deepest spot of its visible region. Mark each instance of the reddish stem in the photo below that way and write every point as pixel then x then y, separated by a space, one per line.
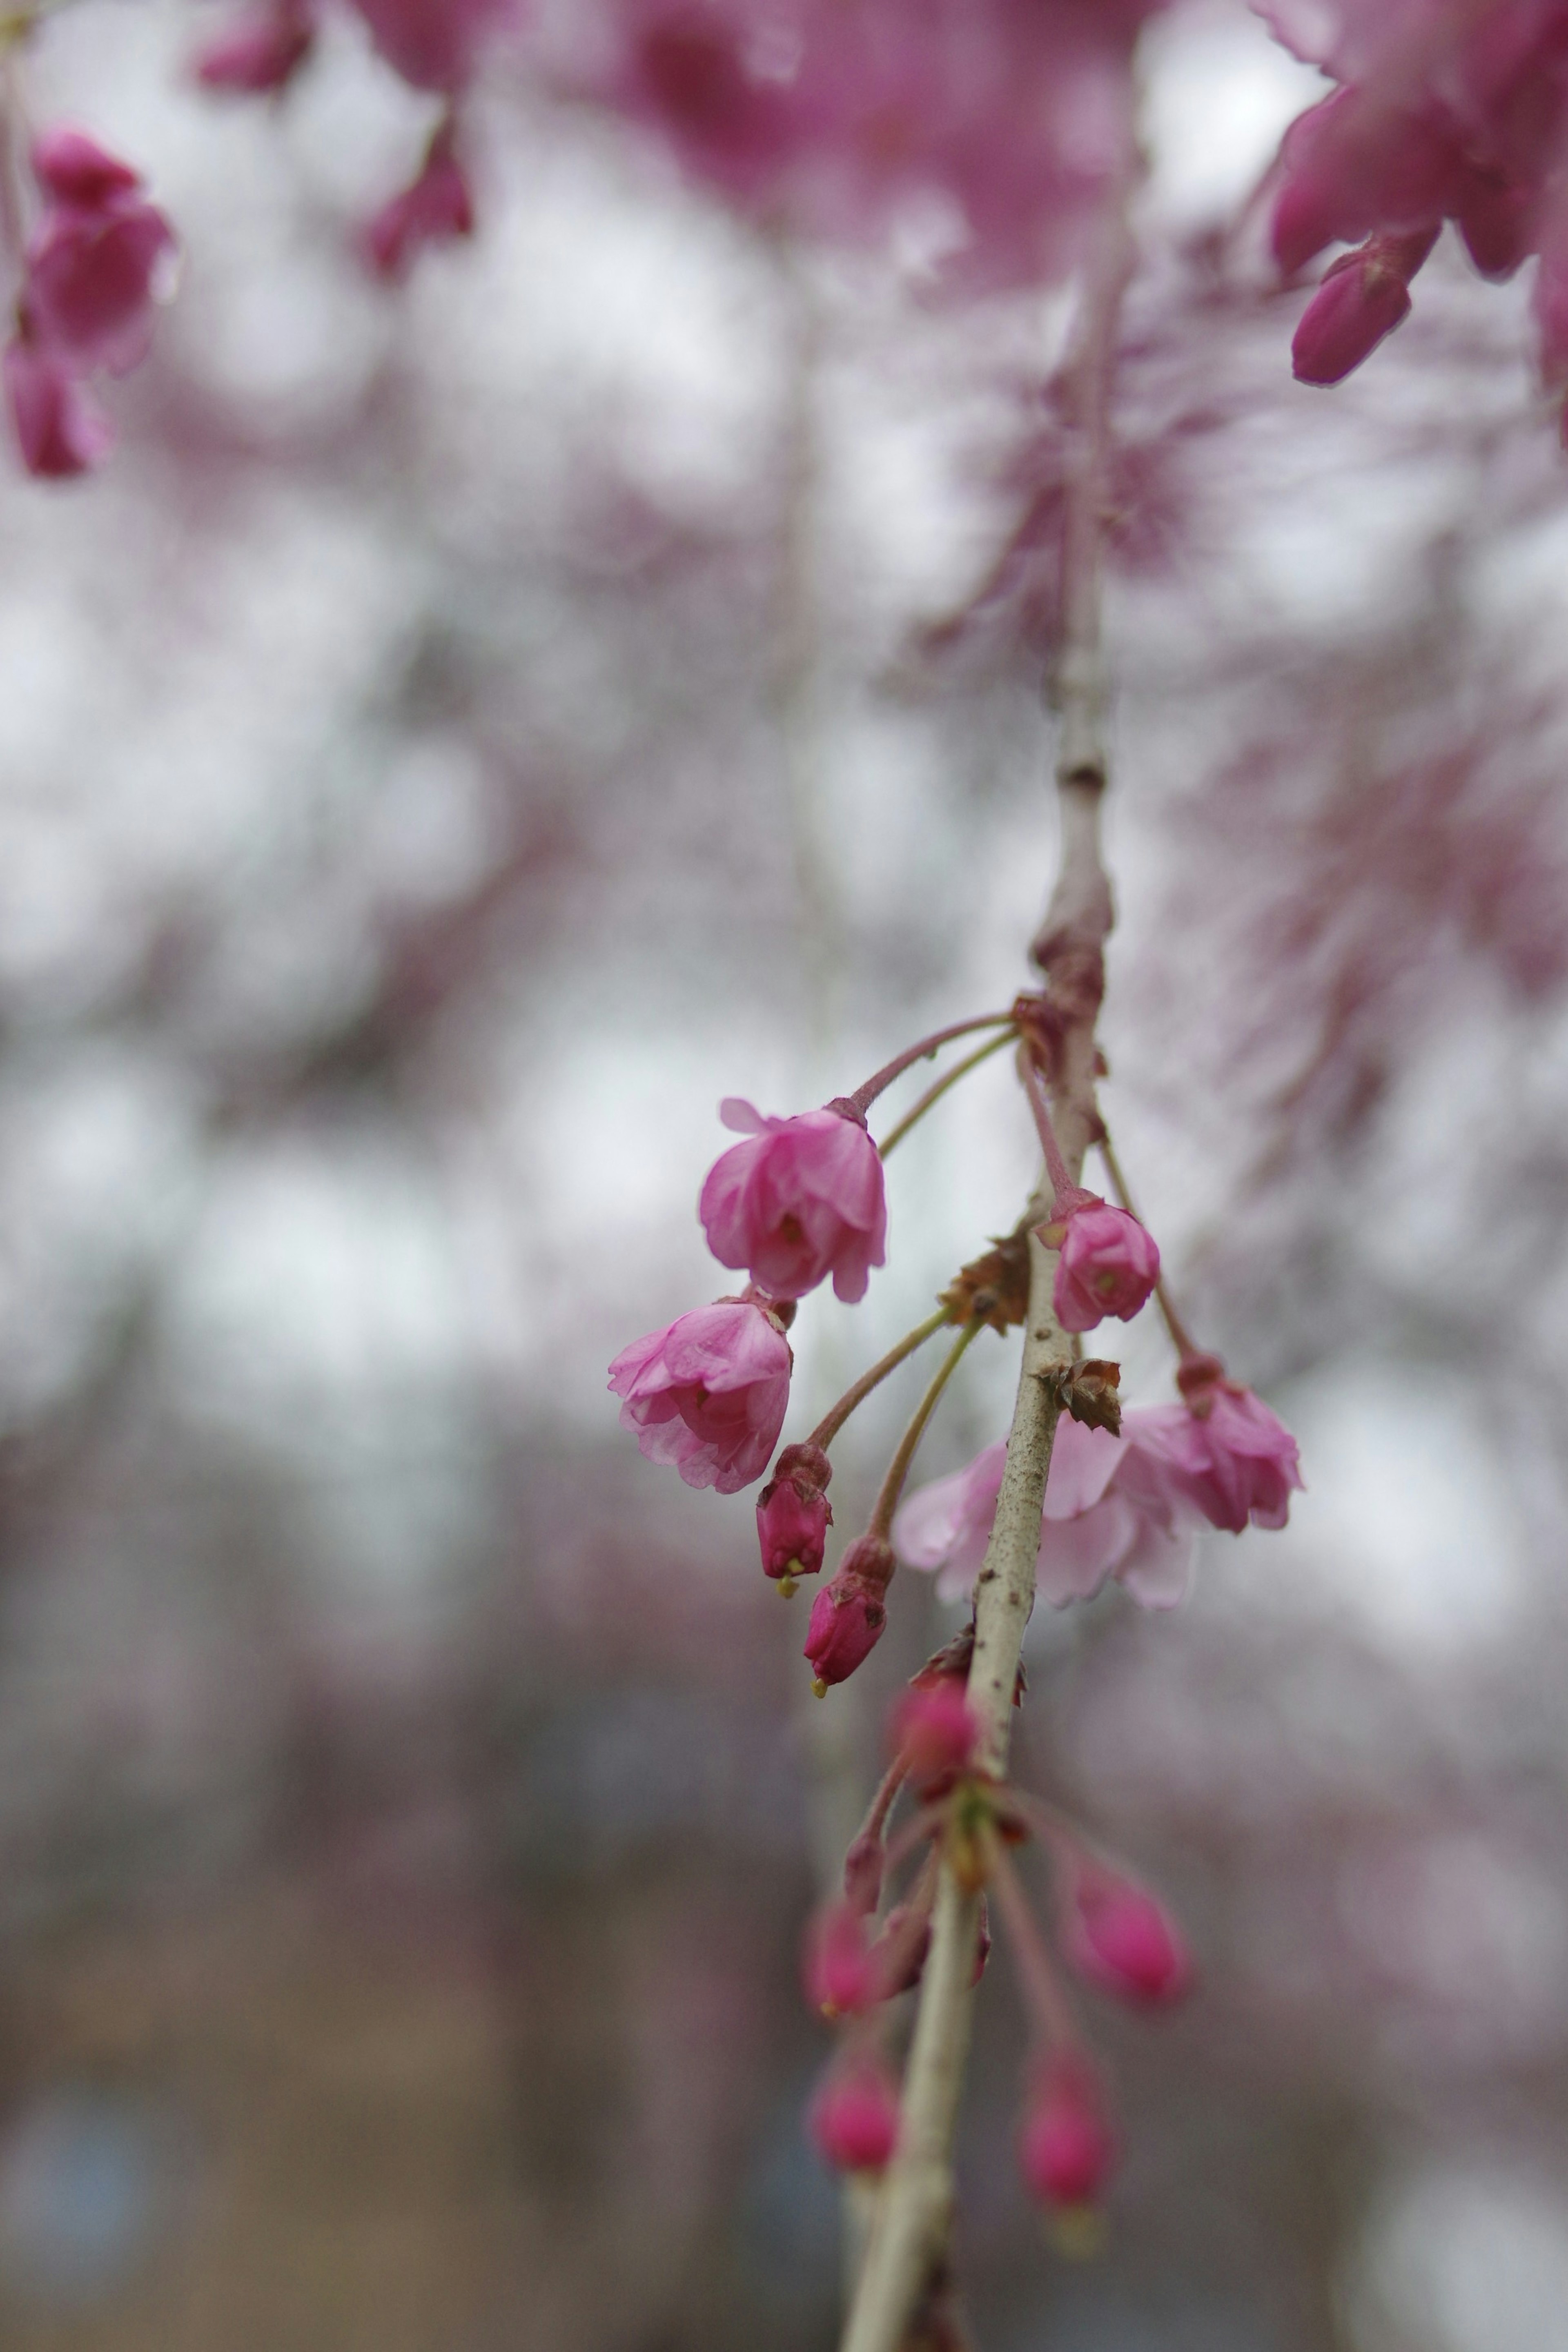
pixel 1062 1186
pixel 862 1098
pixel 1028 1945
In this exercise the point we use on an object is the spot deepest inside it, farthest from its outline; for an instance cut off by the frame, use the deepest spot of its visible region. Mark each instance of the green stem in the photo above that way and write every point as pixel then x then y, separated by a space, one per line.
pixel 892 1486
pixel 833 1421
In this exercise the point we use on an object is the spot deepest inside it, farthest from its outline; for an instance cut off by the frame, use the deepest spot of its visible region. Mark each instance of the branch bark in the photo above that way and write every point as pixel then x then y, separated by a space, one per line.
pixel 910 2231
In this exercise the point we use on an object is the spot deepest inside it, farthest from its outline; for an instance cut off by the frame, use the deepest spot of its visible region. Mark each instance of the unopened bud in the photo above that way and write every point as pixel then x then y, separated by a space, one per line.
pixel 934 1732
pixel 794 1514
pixel 848 1615
pixel 1065 2147
pixel 1121 1940
pixel 854 2117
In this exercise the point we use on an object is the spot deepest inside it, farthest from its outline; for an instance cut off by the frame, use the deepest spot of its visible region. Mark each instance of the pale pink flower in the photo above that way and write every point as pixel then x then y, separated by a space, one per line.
pixel 436 207
pixel 1120 1938
pixel 1232 1457
pixel 853 2117
pixel 709 1393
pixel 1109 1265
pixel 260 50
pixel 848 1615
pixel 59 430
pixel 1364 297
pixel 793 1513
pixel 434 44
pixel 1114 1507
pixel 94 258
pixel 800 1199
pixel 1066 2149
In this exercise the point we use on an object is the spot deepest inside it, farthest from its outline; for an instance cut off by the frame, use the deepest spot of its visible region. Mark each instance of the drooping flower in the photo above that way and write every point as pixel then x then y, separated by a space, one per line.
pixel 1114 1507
pixel 93 260
pixel 793 1513
pixel 433 44
pixel 261 50
pixel 1121 1939
pixel 1364 297
pixel 848 1615
pixel 1066 2148
pixel 802 1199
pixel 853 2117
pixel 709 1393
pixel 436 207
pixel 59 430
pixel 1224 1449
pixel 1109 1265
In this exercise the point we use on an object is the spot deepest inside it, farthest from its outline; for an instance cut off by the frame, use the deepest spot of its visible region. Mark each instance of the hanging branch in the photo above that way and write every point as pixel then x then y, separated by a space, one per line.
pixel 909 2233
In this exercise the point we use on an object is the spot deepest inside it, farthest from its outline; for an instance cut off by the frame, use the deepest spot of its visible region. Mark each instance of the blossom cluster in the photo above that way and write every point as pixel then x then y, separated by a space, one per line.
pixel 862 1952
pixel 802 1200
pixel 1442 114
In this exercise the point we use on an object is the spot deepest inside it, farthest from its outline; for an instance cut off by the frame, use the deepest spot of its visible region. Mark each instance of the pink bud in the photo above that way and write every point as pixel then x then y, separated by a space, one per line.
pixel 59 431
pixel 848 1615
pixel 1064 2147
pixel 841 1977
pixel 94 258
pixel 794 1514
pixel 1120 1939
pixel 1364 297
pixel 934 1732
pixel 854 2117
pixel 1109 1266
pixel 801 1198
pixel 75 170
pixel 260 51
pixel 432 210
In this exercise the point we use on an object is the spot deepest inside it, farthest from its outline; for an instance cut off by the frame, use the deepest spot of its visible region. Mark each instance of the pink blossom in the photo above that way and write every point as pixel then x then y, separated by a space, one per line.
pixel 854 2117
pixel 94 258
pixel 848 1615
pixel 934 1732
pixel 260 50
pixel 801 1199
pixel 436 207
pixel 1121 1939
pixel 59 431
pixel 1066 2149
pixel 709 1393
pixel 841 1975
pixel 1232 1458
pixel 1364 297
pixel 794 1514
pixel 1109 1265
pixel 434 44
pixel 1114 1507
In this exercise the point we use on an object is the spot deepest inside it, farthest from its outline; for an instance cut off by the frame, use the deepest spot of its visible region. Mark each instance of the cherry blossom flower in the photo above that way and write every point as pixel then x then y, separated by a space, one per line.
pixel 854 2117
pixel 794 1514
pixel 802 1199
pixel 1066 2149
pixel 709 1393
pixel 94 258
pixel 260 50
pixel 1114 1507
pixel 433 44
pixel 1109 1265
pixel 1232 1457
pixel 59 430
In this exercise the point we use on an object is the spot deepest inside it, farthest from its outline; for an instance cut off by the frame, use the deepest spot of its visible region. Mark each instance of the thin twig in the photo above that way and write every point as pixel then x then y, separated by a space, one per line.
pixel 934 1093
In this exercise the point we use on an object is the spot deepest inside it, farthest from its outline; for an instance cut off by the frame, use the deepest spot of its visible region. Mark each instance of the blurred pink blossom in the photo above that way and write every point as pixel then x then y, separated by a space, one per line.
pixel 1364 297
pixel 853 2117
pixel 59 430
pixel 802 1199
pixel 1066 2149
pixel 434 44
pixel 261 49
pixel 93 260
pixel 1121 1940
pixel 436 206
pixel 709 1393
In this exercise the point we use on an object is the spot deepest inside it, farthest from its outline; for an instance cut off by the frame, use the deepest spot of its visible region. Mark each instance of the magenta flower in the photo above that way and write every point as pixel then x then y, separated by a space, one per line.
pixel 59 430
pixel 854 2117
pixel 849 1615
pixel 801 1199
pixel 1066 2149
pixel 1114 1507
pixel 709 1393
pixel 1364 297
pixel 260 51
pixel 94 258
pixel 1120 1939
pixel 1228 1454
pixel 1109 1265
pixel 933 1731
pixel 794 1514
pixel 433 44
pixel 432 209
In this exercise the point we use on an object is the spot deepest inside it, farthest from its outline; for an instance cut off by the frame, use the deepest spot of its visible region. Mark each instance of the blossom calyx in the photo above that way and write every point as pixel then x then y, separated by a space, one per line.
pixel 800 1199
pixel 794 1514
pixel 849 1615
pixel 1107 1262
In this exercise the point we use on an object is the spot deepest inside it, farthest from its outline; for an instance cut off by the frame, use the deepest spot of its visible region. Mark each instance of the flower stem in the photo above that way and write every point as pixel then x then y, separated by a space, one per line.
pixel 833 1421
pixel 892 1485
pixel 1027 1947
pixel 863 1096
pixel 1181 1337
pixel 1057 1168
pixel 934 1093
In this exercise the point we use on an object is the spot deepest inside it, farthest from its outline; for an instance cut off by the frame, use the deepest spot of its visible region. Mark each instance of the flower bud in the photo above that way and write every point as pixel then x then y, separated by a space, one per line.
pixel 841 1976
pixel 854 2117
pixel 848 1615
pixel 1109 1265
pixel 935 1733
pixel 1121 1940
pixel 793 1513
pixel 1066 2149
pixel 1364 297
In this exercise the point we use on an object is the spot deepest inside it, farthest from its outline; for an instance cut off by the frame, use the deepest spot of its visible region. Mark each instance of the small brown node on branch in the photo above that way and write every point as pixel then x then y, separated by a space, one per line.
pixel 994 1288
pixel 1089 1391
